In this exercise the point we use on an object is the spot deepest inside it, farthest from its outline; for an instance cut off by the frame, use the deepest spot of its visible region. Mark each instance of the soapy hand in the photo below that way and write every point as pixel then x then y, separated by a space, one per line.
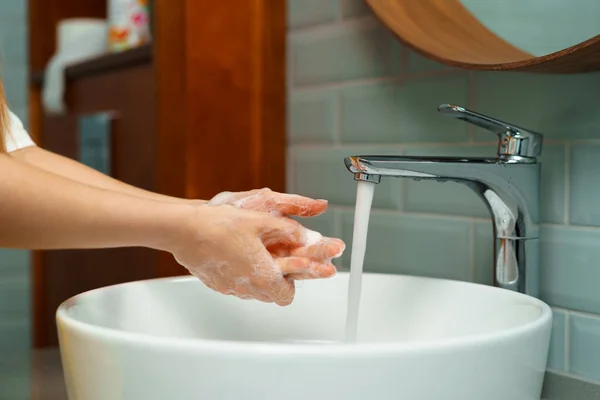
pixel 274 203
pixel 320 249
pixel 253 255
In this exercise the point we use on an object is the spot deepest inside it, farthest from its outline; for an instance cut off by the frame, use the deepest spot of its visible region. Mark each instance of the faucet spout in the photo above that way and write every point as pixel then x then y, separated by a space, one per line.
pixel 509 189
pixel 508 184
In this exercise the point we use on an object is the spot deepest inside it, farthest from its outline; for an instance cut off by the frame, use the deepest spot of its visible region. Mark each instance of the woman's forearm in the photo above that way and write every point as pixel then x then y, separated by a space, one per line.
pixel 71 169
pixel 42 210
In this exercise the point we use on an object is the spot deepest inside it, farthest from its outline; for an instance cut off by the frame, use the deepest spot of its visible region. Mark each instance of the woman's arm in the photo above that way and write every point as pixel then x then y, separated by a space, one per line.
pixel 42 210
pixel 224 246
pixel 68 168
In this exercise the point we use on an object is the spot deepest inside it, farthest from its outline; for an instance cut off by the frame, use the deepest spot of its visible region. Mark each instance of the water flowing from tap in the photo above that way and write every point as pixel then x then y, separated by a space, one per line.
pixel 364 199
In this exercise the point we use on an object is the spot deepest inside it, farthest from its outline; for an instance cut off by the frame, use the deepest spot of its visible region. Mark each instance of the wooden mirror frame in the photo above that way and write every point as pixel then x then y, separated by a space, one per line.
pixel 445 31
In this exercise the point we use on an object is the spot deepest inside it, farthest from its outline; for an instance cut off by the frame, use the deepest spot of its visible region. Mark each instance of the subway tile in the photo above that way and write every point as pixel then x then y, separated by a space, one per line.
pixel 290 157
pixel 585 191
pixel 15 382
pixel 585 346
pixel 14 284
pixel 428 196
pixel 354 8
pixel 558 106
pixel 304 13
pixel 557 351
pixel 15 374
pixel 313 117
pixel 14 296
pixel 483 249
pixel 13 43
pixel 321 173
pixel 413 245
pixel 418 63
pixel 289 63
pixel 345 53
pixel 14 262
pixel 20 359
pixel 569 268
pixel 552 184
pixel 404 112
pixel 10 10
pixel 14 337
pixel 15 86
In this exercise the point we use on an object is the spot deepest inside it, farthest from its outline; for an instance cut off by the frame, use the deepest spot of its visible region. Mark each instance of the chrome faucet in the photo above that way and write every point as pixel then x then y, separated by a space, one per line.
pixel 508 184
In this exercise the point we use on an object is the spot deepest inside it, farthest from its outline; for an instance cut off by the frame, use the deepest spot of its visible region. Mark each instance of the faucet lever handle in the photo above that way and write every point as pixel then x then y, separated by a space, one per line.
pixel 514 141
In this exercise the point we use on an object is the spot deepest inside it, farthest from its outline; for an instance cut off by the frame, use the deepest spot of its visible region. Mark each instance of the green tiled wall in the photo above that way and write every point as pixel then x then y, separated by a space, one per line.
pixel 15 322
pixel 354 89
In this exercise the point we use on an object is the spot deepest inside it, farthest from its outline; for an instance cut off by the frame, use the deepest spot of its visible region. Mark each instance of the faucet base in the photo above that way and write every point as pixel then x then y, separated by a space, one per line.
pixel 516 266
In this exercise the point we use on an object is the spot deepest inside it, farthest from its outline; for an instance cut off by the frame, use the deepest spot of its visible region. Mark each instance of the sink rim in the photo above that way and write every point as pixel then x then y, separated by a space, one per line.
pixel 250 348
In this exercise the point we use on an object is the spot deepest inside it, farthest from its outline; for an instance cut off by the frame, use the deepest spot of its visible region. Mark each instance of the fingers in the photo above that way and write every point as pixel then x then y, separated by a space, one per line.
pixel 292 204
pixel 278 250
pixel 291 265
pixel 275 286
pixel 283 204
pixel 310 262
pixel 299 268
pixel 275 203
pixel 243 289
pixel 324 250
pixel 266 281
pixel 278 234
pixel 285 292
pixel 282 232
pixel 315 270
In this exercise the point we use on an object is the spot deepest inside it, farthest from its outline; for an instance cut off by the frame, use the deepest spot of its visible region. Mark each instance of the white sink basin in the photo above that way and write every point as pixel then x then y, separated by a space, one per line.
pixel 419 339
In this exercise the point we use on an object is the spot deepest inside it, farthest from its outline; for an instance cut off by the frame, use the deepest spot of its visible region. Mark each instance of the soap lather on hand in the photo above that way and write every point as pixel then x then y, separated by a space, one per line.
pixel 283 250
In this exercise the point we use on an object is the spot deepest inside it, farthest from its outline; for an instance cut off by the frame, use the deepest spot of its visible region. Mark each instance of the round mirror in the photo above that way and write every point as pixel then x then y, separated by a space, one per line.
pixel 539 27
pixel 552 36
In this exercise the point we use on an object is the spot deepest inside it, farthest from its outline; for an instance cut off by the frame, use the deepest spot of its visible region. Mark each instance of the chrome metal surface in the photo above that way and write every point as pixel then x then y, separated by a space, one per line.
pixel 359 176
pixel 513 142
pixel 508 186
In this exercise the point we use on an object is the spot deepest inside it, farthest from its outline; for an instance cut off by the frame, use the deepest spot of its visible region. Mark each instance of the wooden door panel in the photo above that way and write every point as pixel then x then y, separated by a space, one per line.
pixel 128 95
pixel 205 112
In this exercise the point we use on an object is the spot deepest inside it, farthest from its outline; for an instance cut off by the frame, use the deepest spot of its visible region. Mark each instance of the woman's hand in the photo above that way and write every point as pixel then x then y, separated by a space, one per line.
pixel 320 251
pixel 229 249
pixel 279 204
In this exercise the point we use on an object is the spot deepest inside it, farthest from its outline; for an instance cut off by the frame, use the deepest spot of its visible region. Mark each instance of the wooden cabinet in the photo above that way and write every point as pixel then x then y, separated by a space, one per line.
pixel 199 111
pixel 124 86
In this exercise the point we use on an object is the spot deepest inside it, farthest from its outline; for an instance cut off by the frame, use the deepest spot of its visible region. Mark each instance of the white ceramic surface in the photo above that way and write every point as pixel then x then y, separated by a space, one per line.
pixel 419 339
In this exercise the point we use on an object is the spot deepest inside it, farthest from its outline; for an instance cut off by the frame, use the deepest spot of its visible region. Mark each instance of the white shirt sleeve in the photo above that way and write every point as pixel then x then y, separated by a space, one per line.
pixel 17 137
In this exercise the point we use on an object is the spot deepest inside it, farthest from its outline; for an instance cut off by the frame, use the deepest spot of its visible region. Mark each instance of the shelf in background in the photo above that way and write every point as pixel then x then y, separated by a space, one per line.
pixel 103 64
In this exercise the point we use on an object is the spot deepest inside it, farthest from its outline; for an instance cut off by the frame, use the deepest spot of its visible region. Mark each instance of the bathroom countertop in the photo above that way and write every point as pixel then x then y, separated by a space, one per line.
pixel 564 387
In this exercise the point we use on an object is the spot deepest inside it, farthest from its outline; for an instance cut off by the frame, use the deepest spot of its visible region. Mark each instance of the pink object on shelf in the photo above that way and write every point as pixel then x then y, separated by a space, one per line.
pixel 129 24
